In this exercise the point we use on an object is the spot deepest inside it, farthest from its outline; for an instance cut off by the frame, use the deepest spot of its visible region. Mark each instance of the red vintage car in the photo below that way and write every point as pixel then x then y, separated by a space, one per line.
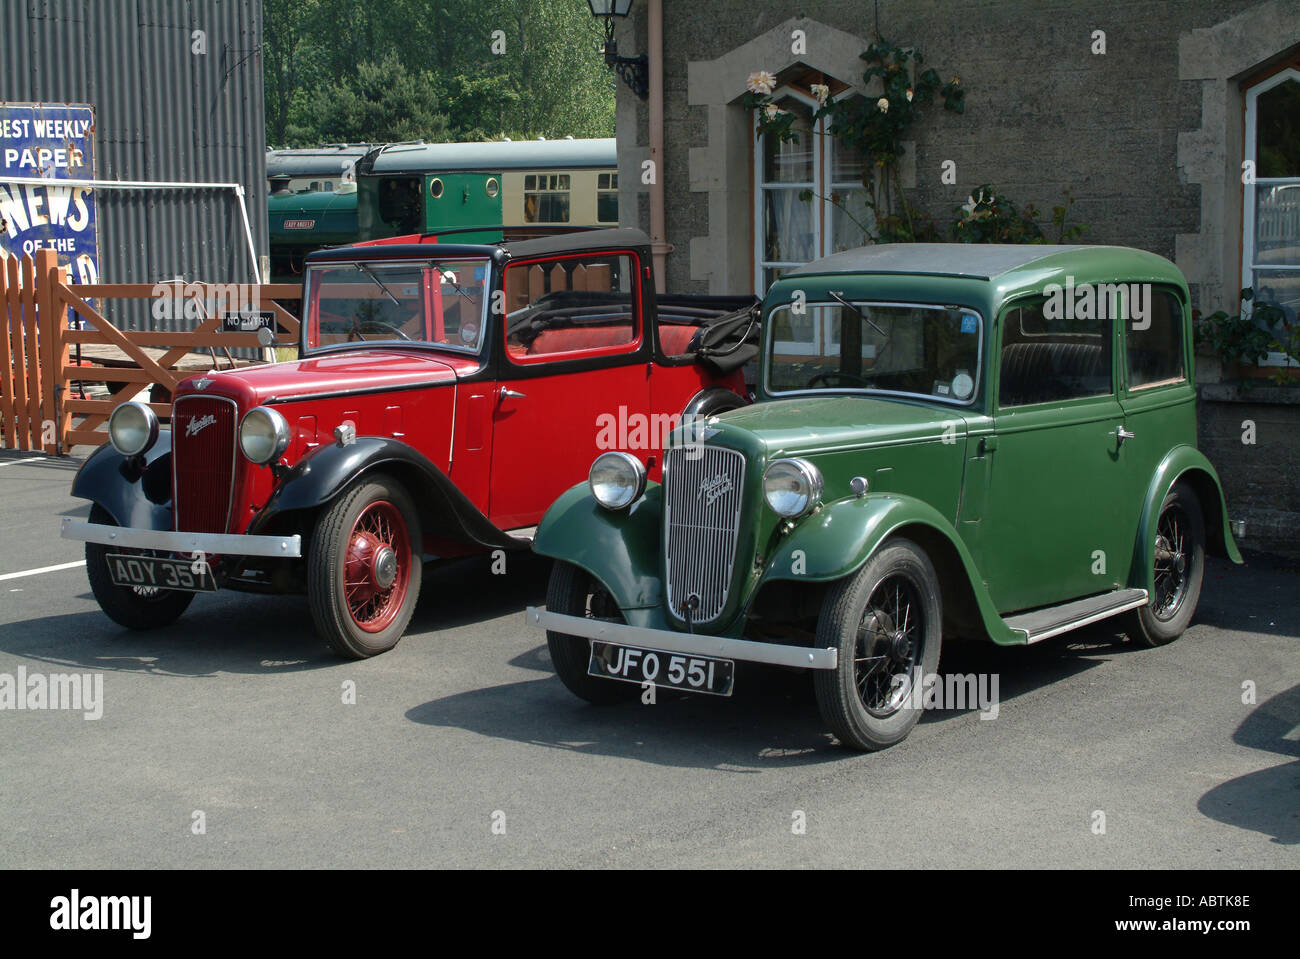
pixel 444 396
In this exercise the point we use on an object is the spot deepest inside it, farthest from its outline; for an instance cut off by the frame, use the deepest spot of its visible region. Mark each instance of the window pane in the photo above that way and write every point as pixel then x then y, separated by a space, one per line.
pixel 607 207
pixel 1281 288
pixel 1155 354
pixel 1047 359
pixel 1277 128
pixel 786 162
pixel 788 232
pixel 846 163
pixel 1277 224
pixel 849 219
pixel 563 306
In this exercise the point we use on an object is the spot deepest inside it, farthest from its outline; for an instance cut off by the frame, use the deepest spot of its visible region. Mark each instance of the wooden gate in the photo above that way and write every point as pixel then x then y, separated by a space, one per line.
pixel 37 410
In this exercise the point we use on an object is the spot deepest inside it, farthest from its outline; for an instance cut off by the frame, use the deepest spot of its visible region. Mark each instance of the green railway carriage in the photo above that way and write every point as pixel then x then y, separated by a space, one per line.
pixel 421 187
pixel 403 188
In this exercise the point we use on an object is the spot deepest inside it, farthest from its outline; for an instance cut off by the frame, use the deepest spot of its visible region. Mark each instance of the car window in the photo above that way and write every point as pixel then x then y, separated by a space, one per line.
pixel 928 351
pixel 439 302
pixel 571 305
pixel 1052 354
pixel 1155 341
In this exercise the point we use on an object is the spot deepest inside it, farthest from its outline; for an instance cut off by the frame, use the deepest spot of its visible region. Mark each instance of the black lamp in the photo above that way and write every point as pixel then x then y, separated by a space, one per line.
pixel 633 70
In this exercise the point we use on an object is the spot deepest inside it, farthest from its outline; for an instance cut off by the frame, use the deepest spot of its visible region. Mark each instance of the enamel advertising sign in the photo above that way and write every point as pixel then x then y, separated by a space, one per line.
pixel 51 142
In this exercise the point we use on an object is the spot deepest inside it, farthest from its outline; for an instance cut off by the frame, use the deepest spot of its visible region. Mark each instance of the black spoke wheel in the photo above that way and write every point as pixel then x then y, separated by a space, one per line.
pixel 886 623
pixel 1177 560
pixel 573 592
pixel 135 607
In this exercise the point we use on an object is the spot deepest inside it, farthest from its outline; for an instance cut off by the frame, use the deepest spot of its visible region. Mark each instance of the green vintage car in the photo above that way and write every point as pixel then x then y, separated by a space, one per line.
pixel 950 441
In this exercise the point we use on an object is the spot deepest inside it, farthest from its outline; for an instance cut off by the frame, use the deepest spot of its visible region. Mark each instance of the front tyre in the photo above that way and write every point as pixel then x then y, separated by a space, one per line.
pixel 572 592
pixel 886 623
pixel 364 567
pixel 1179 567
pixel 135 607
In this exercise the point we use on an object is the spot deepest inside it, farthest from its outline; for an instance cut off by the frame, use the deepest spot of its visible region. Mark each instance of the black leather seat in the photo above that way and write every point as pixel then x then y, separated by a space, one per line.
pixel 1047 372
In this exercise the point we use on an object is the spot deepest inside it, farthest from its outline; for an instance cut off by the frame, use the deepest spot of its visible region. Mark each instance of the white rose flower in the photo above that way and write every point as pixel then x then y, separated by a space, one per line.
pixel 761 82
pixel 883 104
pixel 909 95
pixel 821 92
pixel 771 110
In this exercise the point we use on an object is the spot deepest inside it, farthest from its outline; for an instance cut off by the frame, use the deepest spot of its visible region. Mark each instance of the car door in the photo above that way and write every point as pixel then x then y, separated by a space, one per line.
pixel 1158 399
pixel 1052 527
pixel 575 362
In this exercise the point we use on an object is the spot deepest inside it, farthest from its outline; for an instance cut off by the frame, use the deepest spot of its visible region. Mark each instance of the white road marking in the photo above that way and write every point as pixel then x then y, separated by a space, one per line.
pixel 44 569
pixel 30 459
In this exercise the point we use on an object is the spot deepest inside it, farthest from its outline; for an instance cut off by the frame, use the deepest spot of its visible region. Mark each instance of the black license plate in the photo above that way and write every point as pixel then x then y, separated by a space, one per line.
pixel 127 569
pixel 696 674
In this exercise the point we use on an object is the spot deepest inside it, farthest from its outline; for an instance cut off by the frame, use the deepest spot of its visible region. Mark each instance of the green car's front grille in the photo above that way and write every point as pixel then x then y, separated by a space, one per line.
pixel 703 498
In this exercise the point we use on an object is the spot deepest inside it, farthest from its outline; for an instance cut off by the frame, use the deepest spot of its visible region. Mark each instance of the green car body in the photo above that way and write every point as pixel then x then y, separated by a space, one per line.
pixel 1037 514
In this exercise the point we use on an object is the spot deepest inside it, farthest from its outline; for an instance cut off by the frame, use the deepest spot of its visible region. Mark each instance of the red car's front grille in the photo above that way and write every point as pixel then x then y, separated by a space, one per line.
pixel 203 463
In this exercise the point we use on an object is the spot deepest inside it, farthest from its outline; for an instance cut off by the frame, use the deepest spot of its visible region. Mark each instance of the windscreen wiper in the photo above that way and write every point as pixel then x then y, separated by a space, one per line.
pixel 862 316
pixel 379 283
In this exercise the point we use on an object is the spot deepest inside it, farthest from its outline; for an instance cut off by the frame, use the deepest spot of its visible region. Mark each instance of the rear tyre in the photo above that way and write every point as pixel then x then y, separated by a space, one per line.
pixel 364 567
pixel 886 623
pixel 1179 568
pixel 573 592
pixel 135 607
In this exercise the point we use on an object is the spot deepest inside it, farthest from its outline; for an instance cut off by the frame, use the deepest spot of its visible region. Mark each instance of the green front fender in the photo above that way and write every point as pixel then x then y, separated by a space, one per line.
pixel 841 537
pixel 620 548
pixel 1188 464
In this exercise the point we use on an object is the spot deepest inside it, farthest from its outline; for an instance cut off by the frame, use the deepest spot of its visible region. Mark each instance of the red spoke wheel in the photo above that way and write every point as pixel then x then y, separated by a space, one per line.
pixel 364 568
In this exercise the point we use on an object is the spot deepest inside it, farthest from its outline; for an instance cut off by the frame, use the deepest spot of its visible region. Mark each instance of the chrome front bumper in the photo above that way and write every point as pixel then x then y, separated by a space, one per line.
pixel 215 544
pixel 667 641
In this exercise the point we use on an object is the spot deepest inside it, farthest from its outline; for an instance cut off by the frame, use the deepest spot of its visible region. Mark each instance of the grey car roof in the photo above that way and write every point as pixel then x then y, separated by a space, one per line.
pixel 976 260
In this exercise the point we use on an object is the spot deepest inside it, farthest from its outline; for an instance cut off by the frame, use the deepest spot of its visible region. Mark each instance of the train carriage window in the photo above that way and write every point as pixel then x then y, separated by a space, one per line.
pixel 546 198
pixel 571 305
pixel 607 198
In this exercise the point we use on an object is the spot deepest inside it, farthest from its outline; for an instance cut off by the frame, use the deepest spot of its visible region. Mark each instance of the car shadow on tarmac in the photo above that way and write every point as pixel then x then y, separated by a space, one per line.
pixel 771 720
pixel 1268 800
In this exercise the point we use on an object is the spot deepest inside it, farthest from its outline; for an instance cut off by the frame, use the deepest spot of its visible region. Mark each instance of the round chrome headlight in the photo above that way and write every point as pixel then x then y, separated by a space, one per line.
pixel 132 429
pixel 263 435
pixel 617 479
pixel 792 487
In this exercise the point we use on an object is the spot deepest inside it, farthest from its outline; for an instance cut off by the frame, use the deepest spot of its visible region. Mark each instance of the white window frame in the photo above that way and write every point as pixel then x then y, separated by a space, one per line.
pixel 1248 265
pixel 823 209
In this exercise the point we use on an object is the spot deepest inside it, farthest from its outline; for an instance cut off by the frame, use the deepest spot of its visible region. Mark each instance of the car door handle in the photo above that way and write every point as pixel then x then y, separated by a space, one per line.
pixel 512 394
pixel 1122 434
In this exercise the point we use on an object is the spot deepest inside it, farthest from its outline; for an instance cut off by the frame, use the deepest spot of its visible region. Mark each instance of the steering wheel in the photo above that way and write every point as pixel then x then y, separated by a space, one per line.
pixel 356 329
pixel 853 378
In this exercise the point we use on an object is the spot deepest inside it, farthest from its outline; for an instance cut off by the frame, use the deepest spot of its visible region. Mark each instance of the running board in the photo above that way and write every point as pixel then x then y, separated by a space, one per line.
pixel 1039 624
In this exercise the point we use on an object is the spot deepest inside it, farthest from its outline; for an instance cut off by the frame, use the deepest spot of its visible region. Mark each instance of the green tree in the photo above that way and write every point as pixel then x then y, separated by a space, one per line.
pixel 549 81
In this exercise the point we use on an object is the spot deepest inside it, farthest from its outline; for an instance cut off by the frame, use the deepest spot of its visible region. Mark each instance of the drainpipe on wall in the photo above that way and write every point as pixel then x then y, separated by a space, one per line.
pixel 659 246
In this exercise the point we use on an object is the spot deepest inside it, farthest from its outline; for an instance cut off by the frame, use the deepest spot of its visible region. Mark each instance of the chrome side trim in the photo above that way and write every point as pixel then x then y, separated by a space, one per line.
pixel 666 641
pixel 1138 598
pixel 218 544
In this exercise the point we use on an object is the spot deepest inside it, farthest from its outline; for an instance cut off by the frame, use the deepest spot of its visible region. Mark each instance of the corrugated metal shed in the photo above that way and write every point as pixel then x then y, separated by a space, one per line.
pixel 162 112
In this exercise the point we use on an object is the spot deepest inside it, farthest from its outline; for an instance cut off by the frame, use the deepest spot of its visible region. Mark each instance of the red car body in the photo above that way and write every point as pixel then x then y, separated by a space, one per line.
pixel 444 397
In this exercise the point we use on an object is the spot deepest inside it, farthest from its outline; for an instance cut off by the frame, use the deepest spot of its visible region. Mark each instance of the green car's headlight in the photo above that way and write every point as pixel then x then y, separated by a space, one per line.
pixel 617 480
pixel 263 435
pixel 792 487
pixel 132 429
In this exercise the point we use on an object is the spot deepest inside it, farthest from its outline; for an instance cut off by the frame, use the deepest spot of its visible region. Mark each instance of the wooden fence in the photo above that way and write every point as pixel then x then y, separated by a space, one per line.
pixel 37 409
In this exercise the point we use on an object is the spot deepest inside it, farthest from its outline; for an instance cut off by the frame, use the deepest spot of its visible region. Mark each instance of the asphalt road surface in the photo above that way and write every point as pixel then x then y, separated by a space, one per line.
pixel 225 740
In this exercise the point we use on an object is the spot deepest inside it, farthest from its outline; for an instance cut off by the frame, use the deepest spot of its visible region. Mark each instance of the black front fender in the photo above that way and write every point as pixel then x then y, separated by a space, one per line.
pixel 321 475
pixel 136 490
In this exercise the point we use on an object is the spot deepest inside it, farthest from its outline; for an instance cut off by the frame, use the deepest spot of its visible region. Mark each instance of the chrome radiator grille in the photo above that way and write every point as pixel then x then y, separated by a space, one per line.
pixel 203 462
pixel 702 500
